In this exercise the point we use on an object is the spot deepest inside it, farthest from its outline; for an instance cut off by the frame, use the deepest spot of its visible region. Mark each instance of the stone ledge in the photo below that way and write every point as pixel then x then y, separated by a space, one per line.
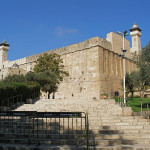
pixel 127 111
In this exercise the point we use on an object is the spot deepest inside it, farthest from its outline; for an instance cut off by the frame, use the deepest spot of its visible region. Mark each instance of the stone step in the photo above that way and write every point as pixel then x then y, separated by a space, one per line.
pixel 111 142
pixel 131 121
pixel 112 123
pixel 121 147
pixel 106 131
pixel 107 125
pixel 120 127
pixel 95 142
pixel 4 146
pixel 140 139
pixel 41 131
pixel 116 122
pixel 121 131
pixel 46 141
pixel 135 136
pixel 91 136
pixel 43 135
pixel 124 120
pixel 123 117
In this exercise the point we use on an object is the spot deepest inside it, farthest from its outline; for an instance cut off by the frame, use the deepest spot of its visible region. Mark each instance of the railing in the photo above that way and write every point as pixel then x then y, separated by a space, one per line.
pixel 144 107
pixel 34 95
pixel 56 128
pixel 120 101
pixel 14 101
pixel 11 102
pixel 147 112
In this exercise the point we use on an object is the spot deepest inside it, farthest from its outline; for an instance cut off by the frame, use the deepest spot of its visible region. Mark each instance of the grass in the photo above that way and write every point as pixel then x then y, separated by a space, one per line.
pixel 135 103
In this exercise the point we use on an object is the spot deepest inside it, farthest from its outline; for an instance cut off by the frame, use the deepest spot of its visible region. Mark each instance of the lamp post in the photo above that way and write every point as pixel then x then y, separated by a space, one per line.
pixel 124 34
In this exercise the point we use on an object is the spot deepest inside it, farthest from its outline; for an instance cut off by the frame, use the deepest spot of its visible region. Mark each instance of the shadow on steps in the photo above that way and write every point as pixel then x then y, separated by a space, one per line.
pixel 107 138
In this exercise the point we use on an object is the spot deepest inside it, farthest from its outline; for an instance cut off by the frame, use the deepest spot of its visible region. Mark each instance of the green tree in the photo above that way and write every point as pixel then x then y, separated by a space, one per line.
pixel 143 63
pixel 133 82
pixel 140 79
pixel 129 84
pixel 48 80
pixel 30 76
pixel 52 63
pixel 49 71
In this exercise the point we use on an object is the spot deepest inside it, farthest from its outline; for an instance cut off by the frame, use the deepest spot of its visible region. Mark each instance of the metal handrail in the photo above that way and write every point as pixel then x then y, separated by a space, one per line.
pixel 121 102
pixel 7 100
pixel 147 105
pixel 10 101
pixel 34 95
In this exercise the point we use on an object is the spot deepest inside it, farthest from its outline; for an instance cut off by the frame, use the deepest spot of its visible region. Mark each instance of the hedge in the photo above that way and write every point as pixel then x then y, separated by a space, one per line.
pixel 8 90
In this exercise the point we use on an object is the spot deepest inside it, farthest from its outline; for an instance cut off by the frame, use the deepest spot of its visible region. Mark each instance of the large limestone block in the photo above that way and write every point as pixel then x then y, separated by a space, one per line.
pixel 127 111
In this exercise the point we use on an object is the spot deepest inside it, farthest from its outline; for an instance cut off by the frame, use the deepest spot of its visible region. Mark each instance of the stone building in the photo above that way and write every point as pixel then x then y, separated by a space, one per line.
pixel 93 65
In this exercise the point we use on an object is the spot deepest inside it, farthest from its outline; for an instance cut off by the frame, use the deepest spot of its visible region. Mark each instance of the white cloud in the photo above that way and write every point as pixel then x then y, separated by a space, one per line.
pixel 60 31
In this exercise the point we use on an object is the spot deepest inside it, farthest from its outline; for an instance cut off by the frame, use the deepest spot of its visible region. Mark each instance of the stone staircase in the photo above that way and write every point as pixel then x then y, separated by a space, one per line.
pixel 115 131
pixel 121 132
pixel 108 128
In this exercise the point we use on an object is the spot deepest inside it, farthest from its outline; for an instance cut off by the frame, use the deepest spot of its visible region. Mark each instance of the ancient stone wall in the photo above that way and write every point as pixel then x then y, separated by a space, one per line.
pixel 94 69
pixel 83 80
pixel 111 71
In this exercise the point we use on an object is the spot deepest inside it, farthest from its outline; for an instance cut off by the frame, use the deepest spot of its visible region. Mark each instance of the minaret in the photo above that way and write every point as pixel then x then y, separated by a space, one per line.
pixel 135 33
pixel 4 47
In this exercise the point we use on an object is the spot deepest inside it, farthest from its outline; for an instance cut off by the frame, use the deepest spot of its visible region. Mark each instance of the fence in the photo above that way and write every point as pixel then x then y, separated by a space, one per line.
pixel 34 95
pixel 54 128
pixel 11 102
pixel 120 101
pixel 14 101
pixel 145 113
pixel 144 106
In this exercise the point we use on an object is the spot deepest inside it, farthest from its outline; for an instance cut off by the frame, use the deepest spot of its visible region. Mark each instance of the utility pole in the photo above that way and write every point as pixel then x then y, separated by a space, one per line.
pixel 124 34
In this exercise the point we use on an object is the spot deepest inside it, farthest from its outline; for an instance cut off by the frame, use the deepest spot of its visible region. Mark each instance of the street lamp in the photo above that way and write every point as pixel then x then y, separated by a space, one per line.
pixel 124 34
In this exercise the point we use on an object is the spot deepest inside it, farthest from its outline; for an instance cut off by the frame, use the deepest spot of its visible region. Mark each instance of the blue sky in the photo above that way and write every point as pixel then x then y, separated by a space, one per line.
pixel 34 26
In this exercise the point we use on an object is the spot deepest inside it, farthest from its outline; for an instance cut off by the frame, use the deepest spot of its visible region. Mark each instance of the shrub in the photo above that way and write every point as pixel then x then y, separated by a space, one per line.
pixel 12 89
pixel 14 78
pixel 136 96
